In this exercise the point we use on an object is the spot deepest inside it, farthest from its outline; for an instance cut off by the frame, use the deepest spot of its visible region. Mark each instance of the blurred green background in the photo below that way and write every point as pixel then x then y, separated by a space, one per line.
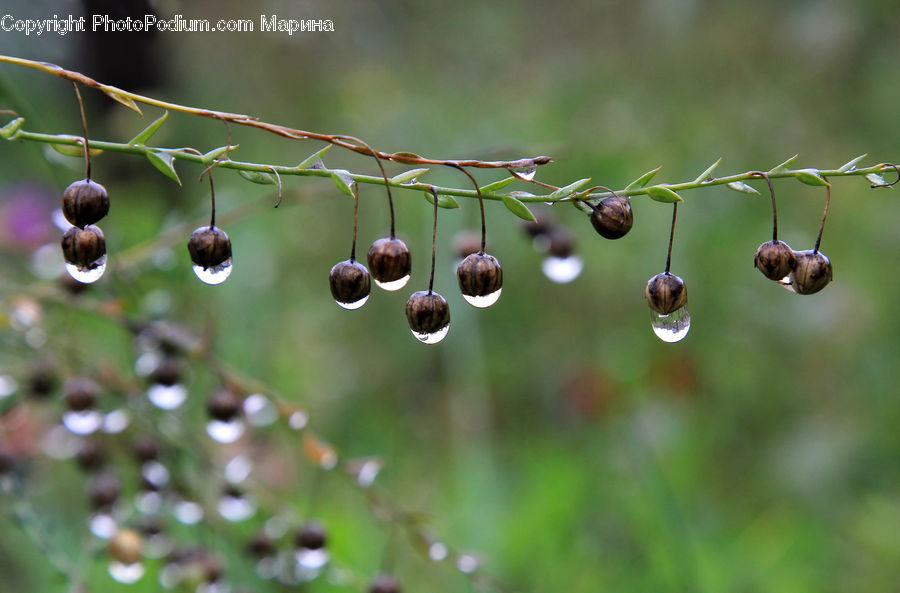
pixel 553 434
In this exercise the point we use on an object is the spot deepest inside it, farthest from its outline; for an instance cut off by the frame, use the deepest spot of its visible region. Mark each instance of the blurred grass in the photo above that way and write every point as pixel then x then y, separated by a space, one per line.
pixel 552 433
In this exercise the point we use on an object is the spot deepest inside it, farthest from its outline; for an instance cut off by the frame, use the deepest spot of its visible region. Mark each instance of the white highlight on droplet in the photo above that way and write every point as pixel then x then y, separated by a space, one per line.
pixel 214 274
pixel 393 284
pixel 432 338
pixel 562 270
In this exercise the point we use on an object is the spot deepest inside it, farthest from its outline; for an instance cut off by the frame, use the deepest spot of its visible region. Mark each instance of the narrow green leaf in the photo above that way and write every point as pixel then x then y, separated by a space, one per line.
pixel 705 175
pixel 446 202
pixel 258 177
pixel 343 181
pixel 407 175
pixel 165 162
pixel 518 208
pixel 311 159
pixel 643 179
pixel 147 132
pixel 569 189
pixel 811 177
pixel 76 151
pixel 215 153
pixel 851 164
pixel 124 100
pixel 11 128
pixel 743 188
pixel 784 166
pixel 877 180
pixel 661 193
pixel 497 185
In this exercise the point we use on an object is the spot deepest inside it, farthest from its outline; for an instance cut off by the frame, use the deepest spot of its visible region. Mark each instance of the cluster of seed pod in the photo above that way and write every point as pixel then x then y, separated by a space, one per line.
pixel 84 203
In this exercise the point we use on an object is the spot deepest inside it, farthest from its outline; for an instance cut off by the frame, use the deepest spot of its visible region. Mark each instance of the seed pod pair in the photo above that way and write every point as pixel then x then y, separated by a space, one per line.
pixel 807 271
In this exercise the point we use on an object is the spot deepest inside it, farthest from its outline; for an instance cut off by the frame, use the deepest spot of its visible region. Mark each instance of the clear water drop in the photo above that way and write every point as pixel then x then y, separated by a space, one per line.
pixel 298 420
pixel 188 512
pixel 485 301
pixel 167 397
pixel 238 469
pixel 438 551
pixel 467 563
pixel 393 284
pixel 672 327
pixel 83 421
pixel 432 338
pixel 236 508
pixel 102 525
pixel 8 386
pixel 786 283
pixel 147 502
pixel 155 473
pixel 90 273
pixel 225 431
pixel 366 475
pixel 126 573
pixel 527 173
pixel 259 410
pixel 214 274
pixel 312 559
pixel 562 270
pixel 116 421
pixel 354 304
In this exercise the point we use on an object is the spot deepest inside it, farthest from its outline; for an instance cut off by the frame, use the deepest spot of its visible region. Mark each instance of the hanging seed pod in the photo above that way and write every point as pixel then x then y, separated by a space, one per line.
pixel 90 456
pixel 224 405
pixel 666 293
pixel 480 279
pixel 775 259
pixel 80 394
pixel 811 273
pixel 126 546
pixel 428 315
pixel 350 284
pixel 84 248
pixel 390 263
pixel 104 491
pixel 85 202
pixel 261 546
pixel 311 537
pixel 146 449
pixel 210 250
pixel 612 217
pixel 385 583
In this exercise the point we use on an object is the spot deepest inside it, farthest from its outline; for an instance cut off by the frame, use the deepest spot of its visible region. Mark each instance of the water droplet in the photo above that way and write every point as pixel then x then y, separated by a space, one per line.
pixel 82 422
pixel 236 508
pixel 438 551
pixel 366 475
pixel 8 386
pixel 354 304
pixel 432 338
pixel 126 573
pixel 467 563
pixel 312 559
pixel 214 274
pixel 786 283
pixel 225 431
pixel 147 502
pixel 187 512
pixel 393 284
pixel 672 327
pixel 259 410
pixel 90 273
pixel 527 172
pixel 116 421
pixel 59 443
pixel 238 469
pixel 562 270
pixel 167 397
pixel 103 525
pixel 298 420
pixel 147 362
pixel 155 473
pixel 485 301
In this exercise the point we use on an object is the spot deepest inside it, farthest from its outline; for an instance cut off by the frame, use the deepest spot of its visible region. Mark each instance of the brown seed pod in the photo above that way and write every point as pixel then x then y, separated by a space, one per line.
pixel 612 217
pixel 480 275
pixel 665 293
pixel 385 583
pixel 427 312
pixel 42 377
pixel 311 536
pixel 126 546
pixel 90 456
pixel 83 247
pixel 261 546
pixel 85 202
pixel 80 394
pixel 811 273
pixel 167 372
pixel 209 247
pixel 389 261
pixel 350 283
pixel 775 259
pixel 104 491
pixel 146 449
pixel 561 243
pixel 224 405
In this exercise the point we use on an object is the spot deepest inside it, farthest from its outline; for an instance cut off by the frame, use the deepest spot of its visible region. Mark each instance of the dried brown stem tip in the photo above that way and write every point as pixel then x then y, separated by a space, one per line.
pixel 85 202
pixel 612 217
pixel 811 273
pixel 666 293
pixel 775 259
